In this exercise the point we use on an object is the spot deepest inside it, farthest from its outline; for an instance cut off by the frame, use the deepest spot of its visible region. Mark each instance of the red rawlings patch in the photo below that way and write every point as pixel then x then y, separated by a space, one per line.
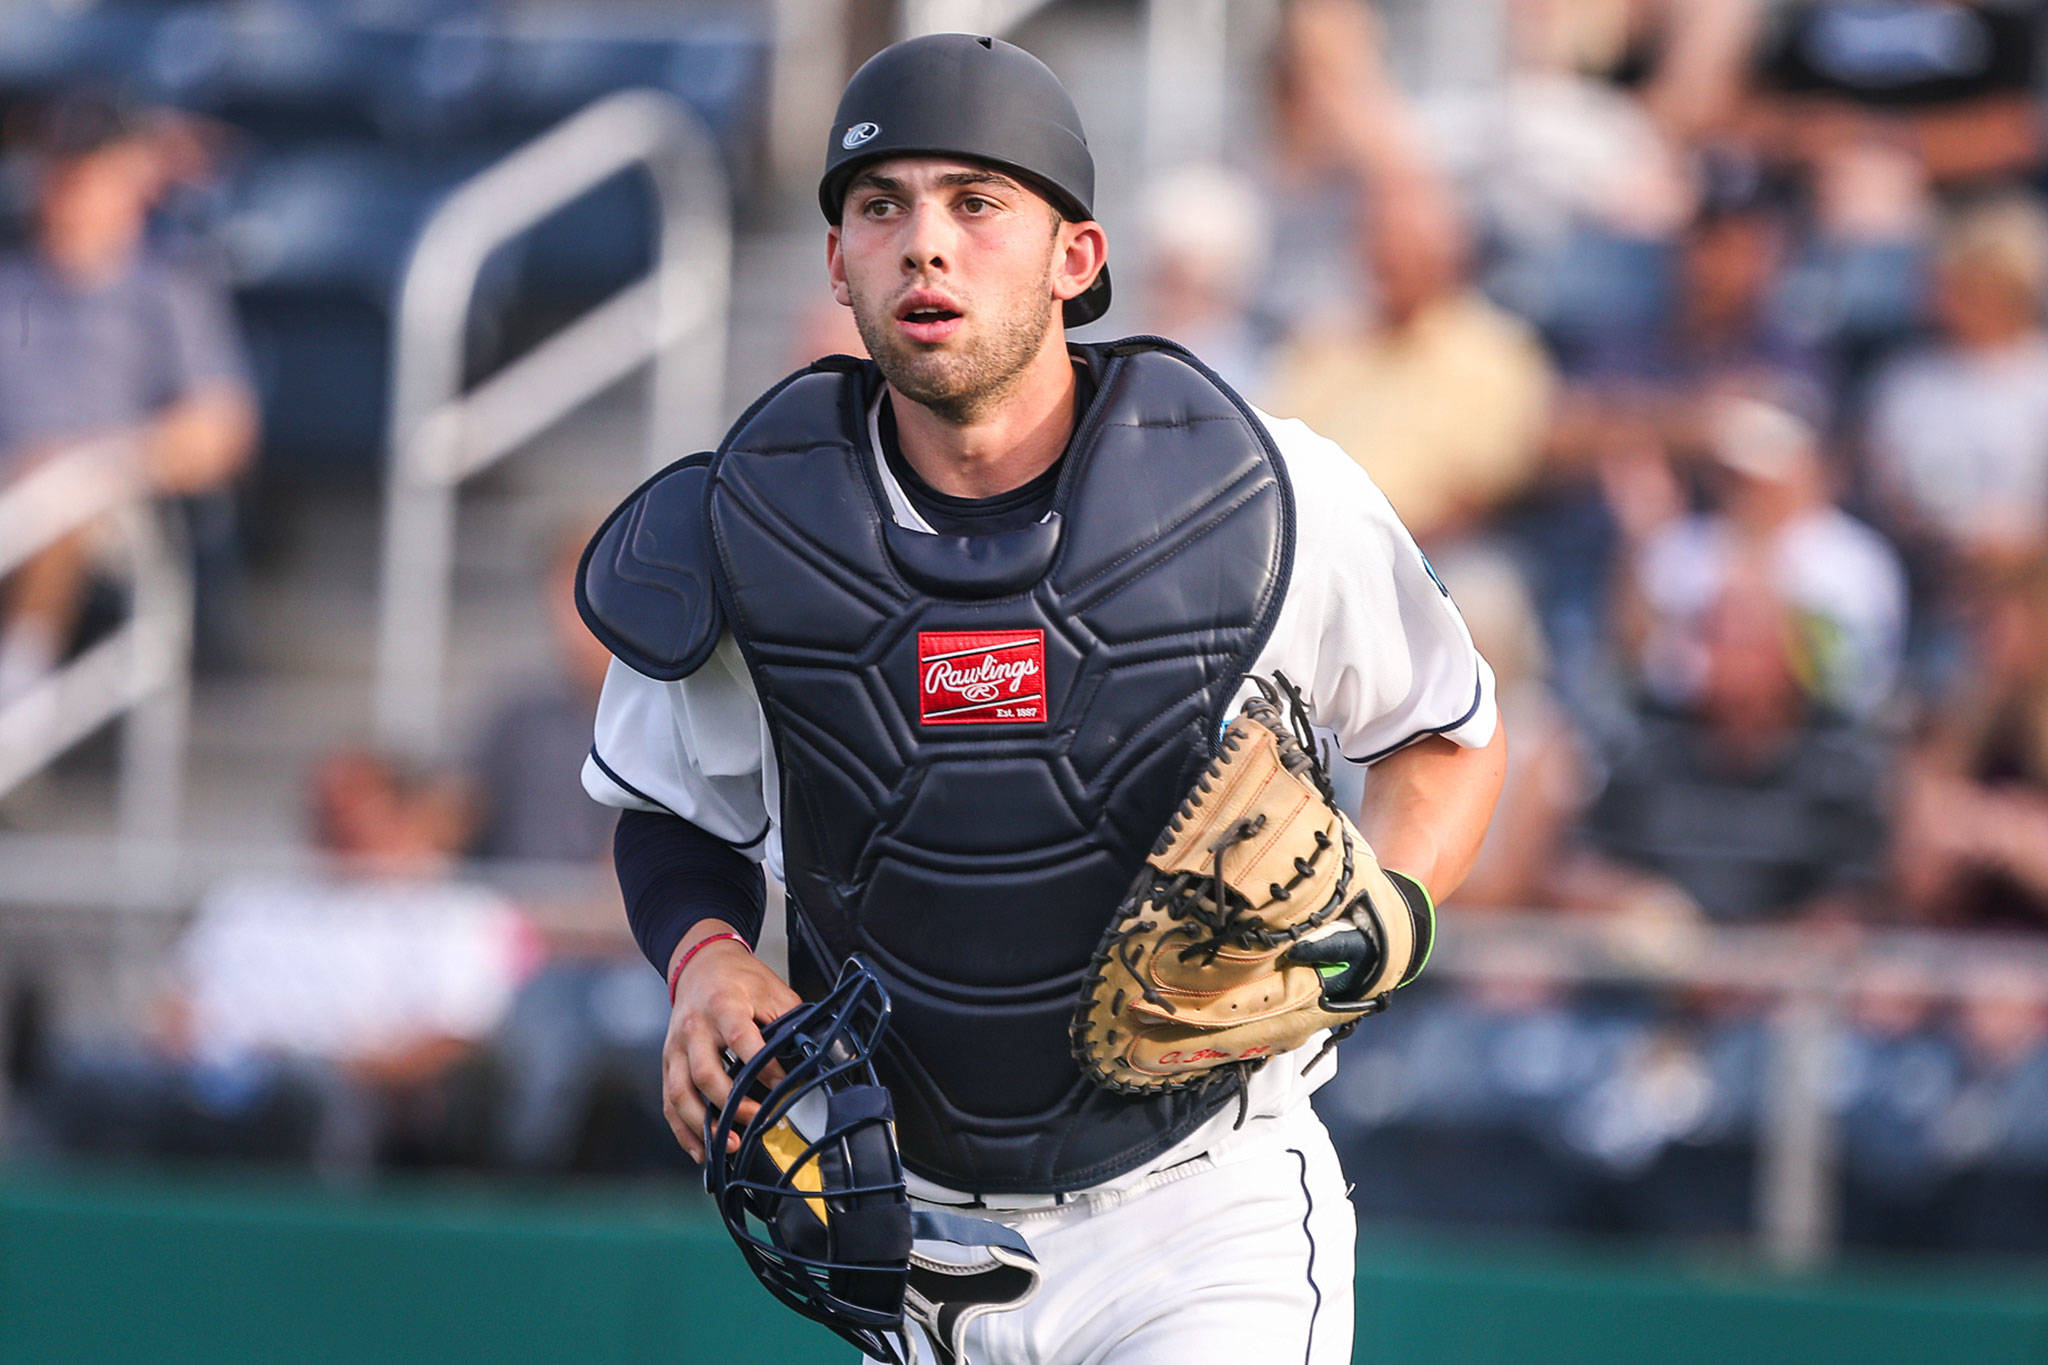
pixel 980 677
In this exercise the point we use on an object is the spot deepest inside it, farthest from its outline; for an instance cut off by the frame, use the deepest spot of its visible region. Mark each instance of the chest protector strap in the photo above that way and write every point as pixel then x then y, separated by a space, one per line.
pixel 979 737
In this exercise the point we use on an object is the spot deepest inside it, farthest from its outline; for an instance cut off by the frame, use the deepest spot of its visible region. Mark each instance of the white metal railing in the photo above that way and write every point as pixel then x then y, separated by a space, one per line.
pixel 440 435
pixel 1187 82
pixel 79 879
pixel 920 17
pixel 1809 979
pixel 142 669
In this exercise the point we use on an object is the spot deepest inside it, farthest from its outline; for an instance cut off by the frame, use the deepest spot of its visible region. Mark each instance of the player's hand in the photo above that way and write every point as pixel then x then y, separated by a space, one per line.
pixel 723 998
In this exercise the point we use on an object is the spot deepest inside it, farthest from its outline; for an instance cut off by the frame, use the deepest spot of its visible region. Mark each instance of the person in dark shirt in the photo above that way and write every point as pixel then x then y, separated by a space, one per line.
pixel 525 798
pixel 1950 83
pixel 1973 846
pixel 1728 326
pixel 1750 805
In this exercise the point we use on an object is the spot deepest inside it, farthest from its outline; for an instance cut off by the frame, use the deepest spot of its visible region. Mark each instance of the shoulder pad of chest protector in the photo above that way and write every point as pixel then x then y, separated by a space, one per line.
pixel 645 586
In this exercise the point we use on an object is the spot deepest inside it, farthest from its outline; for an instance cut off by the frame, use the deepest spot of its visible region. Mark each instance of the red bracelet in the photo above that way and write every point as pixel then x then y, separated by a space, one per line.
pixel 675 973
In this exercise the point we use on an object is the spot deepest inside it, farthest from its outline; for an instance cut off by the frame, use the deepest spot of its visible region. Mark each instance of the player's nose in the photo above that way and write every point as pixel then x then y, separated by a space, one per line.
pixel 927 237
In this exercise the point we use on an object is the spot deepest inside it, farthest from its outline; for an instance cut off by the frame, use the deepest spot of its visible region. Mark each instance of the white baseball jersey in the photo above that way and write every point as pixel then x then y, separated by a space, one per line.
pixel 1365 630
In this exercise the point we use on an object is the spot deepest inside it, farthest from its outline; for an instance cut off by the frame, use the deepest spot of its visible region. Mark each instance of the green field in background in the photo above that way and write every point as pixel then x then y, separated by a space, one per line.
pixel 126 1269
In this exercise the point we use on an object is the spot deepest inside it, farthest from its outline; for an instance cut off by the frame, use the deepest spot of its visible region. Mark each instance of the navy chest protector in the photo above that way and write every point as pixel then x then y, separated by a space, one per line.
pixel 978 737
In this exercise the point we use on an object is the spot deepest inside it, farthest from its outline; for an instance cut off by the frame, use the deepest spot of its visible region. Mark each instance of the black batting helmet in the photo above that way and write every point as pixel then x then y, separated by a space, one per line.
pixel 956 94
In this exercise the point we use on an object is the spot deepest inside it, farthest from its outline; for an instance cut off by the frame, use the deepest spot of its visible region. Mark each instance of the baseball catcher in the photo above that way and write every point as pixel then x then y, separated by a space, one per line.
pixel 941 639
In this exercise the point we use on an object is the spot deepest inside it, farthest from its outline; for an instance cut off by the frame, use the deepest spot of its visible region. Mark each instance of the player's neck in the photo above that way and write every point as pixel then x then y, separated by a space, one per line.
pixel 1007 445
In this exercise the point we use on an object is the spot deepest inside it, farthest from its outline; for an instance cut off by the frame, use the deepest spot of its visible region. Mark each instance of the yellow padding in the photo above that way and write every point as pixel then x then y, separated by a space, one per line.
pixel 785 1147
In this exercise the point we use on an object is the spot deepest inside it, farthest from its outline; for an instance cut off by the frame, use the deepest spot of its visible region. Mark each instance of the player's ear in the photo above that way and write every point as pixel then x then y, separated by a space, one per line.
pixel 835 267
pixel 1080 252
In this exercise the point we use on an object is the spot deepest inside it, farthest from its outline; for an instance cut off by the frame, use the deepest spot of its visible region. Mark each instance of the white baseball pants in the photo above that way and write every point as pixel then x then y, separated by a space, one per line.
pixel 1244 1254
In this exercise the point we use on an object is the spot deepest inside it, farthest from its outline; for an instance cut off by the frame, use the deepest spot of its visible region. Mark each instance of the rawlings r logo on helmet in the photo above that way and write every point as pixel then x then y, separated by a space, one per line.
pixel 815 1199
pixel 859 133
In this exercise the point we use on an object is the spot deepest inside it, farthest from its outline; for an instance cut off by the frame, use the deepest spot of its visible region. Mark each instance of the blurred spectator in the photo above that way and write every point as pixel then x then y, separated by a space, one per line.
pixel 1972 846
pixel 1842 580
pixel 1206 233
pixel 1958 431
pixel 579 1058
pixel 579 1053
pixel 1883 110
pixel 105 339
pixel 1544 788
pixel 1657 1091
pixel 1948 84
pixel 1684 60
pixel 526 790
pixel 1727 325
pixel 1468 1081
pixel 1581 154
pixel 1994 1132
pixel 346 1005
pixel 2002 1114
pixel 1632 422
pixel 1896 1075
pixel 1439 394
pixel 1312 277
pixel 387 970
pixel 1748 804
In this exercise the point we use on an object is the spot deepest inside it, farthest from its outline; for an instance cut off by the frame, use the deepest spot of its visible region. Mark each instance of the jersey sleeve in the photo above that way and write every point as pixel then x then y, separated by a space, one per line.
pixel 693 748
pixel 1367 629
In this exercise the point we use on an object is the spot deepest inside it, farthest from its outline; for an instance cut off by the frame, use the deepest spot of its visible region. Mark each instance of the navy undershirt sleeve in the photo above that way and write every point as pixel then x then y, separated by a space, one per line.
pixel 674 876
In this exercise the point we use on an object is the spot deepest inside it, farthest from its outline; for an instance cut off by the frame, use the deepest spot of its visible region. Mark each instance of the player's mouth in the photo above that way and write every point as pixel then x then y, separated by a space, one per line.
pixel 928 316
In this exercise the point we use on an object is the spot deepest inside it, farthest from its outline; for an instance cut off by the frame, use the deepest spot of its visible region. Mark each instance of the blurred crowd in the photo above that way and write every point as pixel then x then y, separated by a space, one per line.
pixel 387 1005
pixel 1704 353
pixel 1701 346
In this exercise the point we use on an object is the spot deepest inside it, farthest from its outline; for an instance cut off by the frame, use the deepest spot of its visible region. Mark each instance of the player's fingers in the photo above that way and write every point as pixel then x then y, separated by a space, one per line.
pixel 746 1041
pixel 779 999
pixel 681 1105
pixel 769 1010
pixel 707 1071
pixel 705 1047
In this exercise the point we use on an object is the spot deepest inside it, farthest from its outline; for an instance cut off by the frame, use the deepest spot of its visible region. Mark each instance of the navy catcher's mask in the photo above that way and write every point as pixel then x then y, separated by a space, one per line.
pixel 815 1199
pixel 814 1195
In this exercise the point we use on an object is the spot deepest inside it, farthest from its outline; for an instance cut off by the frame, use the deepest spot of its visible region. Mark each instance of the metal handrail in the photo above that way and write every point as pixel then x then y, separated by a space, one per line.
pixel 1187 76
pixel 920 17
pixel 1810 978
pixel 674 318
pixel 142 669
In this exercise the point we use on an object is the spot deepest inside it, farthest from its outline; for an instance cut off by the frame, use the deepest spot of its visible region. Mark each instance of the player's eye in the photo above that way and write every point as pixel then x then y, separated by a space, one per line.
pixel 975 204
pixel 877 207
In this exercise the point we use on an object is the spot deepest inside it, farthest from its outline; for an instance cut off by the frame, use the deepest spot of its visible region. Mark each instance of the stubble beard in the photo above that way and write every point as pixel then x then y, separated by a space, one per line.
pixel 959 386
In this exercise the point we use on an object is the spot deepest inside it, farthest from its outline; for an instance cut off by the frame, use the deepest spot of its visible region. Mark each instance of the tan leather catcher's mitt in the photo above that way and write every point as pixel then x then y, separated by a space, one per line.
pixel 1260 919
